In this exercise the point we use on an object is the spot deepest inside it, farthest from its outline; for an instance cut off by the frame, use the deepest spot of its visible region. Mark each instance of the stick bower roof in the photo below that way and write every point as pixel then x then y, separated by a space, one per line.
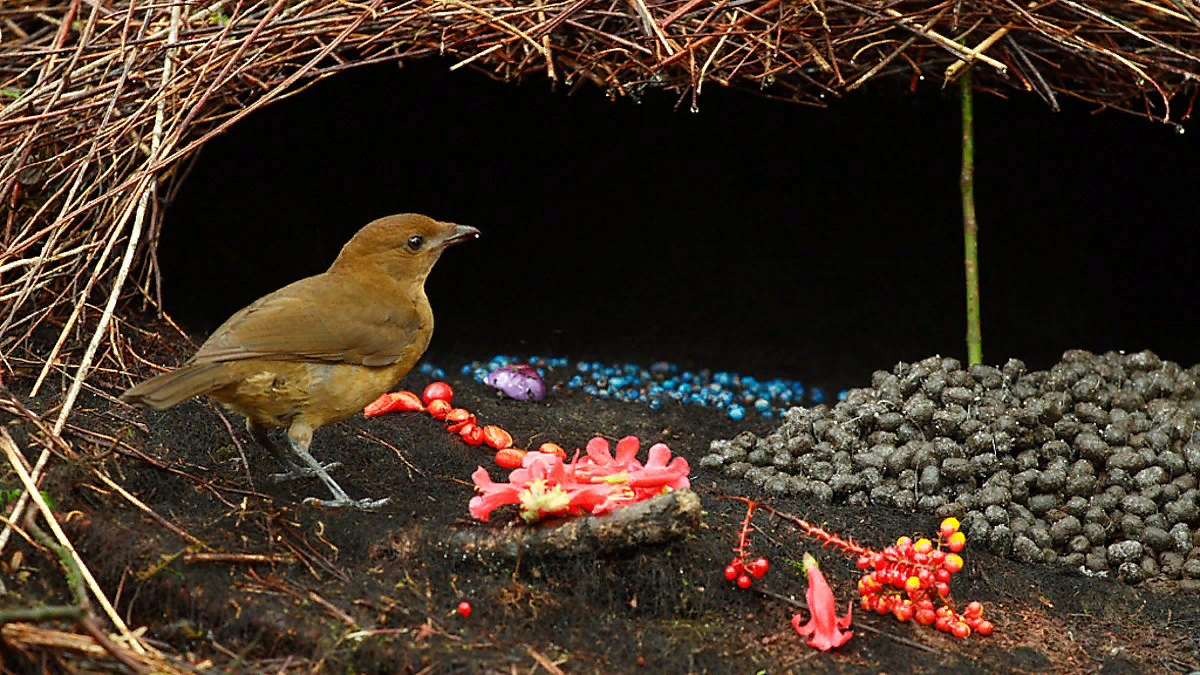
pixel 103 102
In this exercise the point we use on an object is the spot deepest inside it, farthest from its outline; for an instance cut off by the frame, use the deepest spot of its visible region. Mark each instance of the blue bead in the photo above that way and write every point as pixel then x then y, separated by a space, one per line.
pixel 575 382
pixel 656 404
pixel 465 370
pixel 542 372
pixel 685 388
pixel 582 367
pixel 768 414
pixel 736 412
pixel 480 374
pixel 818 395
pixel 762 404
pixel 616 382
pixel 697 399
pixel 590 389
pixel 438 373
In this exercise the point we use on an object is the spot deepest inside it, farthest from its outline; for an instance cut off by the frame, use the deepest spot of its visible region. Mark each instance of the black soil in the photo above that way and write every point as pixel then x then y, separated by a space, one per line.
pixel 377 592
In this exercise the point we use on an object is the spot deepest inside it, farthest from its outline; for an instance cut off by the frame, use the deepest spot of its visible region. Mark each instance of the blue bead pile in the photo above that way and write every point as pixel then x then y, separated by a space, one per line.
pixel 662 382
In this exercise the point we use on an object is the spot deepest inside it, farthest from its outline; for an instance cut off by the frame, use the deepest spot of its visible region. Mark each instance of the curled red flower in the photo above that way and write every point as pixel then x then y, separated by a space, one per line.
pixel 825 629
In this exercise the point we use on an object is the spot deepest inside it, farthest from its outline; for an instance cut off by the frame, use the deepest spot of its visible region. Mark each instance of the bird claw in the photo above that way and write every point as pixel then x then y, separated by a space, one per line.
pixel 298 471
pixel 361 504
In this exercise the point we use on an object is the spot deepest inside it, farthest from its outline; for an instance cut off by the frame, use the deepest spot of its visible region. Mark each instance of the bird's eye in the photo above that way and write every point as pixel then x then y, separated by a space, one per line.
pixel 415 242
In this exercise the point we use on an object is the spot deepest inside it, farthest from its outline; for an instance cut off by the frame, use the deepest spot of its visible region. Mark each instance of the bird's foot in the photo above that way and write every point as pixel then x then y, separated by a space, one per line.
pixel 361 504
pixel 296 471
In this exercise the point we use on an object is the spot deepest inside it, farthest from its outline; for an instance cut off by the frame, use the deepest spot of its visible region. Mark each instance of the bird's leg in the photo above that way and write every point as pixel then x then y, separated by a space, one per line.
pixel 295 470
pixel 300 436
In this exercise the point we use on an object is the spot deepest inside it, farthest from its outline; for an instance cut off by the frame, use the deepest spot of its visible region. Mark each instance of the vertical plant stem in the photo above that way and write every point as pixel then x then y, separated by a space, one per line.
pixel 966 183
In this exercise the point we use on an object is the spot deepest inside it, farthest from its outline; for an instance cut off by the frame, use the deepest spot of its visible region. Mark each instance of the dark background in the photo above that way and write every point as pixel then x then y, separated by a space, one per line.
pixel 763 237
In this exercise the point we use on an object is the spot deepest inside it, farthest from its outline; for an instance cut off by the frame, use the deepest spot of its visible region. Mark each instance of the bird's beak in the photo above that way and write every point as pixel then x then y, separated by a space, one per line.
pixel 461 233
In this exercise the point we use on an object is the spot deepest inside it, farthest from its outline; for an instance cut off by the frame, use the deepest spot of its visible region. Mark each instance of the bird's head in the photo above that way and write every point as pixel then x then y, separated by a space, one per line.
pixel 404 246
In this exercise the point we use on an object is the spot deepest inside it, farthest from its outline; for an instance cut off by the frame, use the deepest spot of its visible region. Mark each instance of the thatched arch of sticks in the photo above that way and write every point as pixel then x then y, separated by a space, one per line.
pixel 105 101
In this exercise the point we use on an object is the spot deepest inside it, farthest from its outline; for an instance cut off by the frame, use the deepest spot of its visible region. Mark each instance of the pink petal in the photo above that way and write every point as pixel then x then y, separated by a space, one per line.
pixel 492 495
pixel 597 451
pixel 627 449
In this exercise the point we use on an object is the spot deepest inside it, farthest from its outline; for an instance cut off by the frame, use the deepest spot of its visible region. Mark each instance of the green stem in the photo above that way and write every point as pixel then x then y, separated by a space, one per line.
pixel 966 182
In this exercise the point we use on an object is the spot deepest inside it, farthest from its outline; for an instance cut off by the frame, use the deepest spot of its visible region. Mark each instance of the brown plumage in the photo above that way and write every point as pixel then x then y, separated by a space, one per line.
pixel 319 350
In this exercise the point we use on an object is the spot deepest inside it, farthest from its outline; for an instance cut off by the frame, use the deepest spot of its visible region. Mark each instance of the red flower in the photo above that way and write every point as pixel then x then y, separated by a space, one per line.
pixel 824 629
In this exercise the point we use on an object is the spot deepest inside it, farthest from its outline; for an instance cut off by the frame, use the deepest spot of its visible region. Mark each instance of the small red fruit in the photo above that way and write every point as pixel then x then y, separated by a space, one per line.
pixel 471 433
pixel 553 449
pixel 496 437
pixel 743 581
pixel 960 630
pixel 925 616
pixel 398 400
pixel 975 608
pixel 438 391
pixel 510 458
pixel 731 572
pixel 464 608
pixel 903 612
pixel 949 527
pixel 952 563
pixel 985 627
pixel 956 542
pixel 758 567
pixel 438 408
pixel 863 562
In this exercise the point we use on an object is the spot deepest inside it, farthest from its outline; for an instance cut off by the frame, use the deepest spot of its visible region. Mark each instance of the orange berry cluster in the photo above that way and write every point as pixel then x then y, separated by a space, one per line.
pixel 437 400
pixel 908 578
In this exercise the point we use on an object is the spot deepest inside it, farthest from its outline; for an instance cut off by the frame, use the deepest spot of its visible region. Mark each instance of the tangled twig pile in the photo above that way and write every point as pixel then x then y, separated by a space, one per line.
pixel 103 101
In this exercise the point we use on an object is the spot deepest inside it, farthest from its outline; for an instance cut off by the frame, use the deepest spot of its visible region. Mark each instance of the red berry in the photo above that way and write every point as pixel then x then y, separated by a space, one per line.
pixel 758 567
pixel 472 434
pixel 960 630
pixel 438 391
pixel 942 574
pixel 949 526
pixel 863 562
pixel 984 628
pixel 975 608
pixel 925 616
pixel 731 572
pixel 903 612
pixel 956 542
pixel 952 563
pixel 438 408
pixel 942 623
pixel 464 608
pixel 497 437
pixel 743 581
pixel 942 589
pixel 736 564
pixel 510 458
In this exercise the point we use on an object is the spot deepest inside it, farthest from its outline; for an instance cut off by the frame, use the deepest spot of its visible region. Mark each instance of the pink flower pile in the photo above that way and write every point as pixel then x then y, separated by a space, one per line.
pixel 597 483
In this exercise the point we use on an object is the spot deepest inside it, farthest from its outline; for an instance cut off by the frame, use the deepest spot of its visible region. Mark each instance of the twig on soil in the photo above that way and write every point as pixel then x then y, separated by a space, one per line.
pixel 147 510
pixel 247 558
pixel 543 661
pixel 372 437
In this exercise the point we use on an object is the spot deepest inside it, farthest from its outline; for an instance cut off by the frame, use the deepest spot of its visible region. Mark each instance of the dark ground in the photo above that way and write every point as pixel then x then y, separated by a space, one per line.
pixel 663 608
pixel 768 239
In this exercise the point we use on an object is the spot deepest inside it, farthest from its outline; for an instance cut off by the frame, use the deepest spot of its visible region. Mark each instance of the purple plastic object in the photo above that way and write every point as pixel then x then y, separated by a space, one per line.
pixel 520 382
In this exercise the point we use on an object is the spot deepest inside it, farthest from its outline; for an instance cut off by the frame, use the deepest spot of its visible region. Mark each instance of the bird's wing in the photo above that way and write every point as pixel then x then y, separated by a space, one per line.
pixel 344 326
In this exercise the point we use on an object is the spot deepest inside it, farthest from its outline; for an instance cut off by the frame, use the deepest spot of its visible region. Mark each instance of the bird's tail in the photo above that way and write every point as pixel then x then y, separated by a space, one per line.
pixel 177 386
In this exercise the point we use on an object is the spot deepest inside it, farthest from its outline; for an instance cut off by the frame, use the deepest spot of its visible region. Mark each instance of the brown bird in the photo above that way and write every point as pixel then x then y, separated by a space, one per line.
pixel 319 350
